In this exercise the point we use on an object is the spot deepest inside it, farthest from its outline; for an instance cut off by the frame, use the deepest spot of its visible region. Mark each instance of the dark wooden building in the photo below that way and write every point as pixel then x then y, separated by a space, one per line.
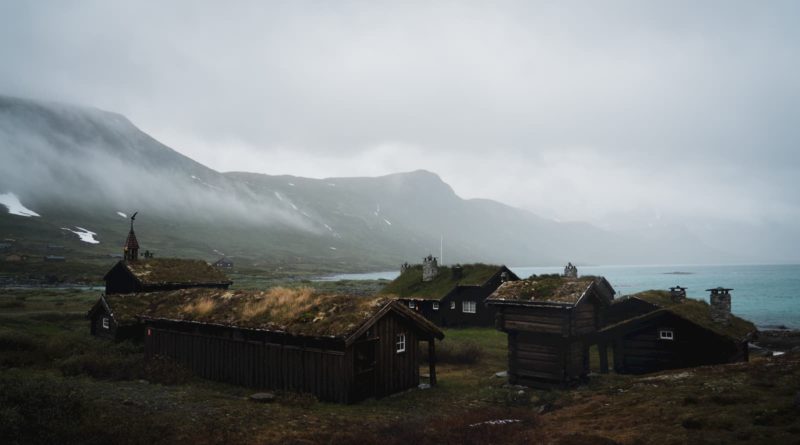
pixel 161 274
pixel 451 296
pixel 339 348
pixel 550 321
pixel 149 274
pixel 657 330
pixel 224 263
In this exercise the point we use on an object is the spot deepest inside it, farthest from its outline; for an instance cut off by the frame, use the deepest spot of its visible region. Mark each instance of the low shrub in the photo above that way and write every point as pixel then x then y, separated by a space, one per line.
pixel 38 410
pixel 106 366
pixel 12 304
pixel 465 353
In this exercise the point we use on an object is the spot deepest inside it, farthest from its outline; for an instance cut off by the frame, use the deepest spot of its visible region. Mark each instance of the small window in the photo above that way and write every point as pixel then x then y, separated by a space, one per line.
pixel 435 305
pixel 401 343
pixel 105 322
pixel 666 334
pixel 452 305
pixel 468 307
pixel 412 305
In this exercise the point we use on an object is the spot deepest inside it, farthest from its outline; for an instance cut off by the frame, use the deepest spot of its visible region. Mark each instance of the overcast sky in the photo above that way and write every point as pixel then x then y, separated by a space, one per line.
pixel 594 111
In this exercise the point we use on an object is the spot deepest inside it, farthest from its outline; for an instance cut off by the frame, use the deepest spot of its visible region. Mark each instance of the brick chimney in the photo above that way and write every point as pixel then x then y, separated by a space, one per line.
pixel 677 293
pixel 430 268
pixel 720 305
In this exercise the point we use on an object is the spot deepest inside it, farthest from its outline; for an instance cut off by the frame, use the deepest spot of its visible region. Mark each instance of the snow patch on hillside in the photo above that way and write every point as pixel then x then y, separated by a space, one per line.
pixel 15 207
pixel 87 236
pixel 387 221
pixel 122 214
pixel 291 184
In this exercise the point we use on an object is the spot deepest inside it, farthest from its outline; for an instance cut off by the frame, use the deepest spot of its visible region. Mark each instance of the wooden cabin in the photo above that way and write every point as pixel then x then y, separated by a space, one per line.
pixel 149 274
pixel 451 296
pixel 550 321
pixel 162 274
pixel 657 330
pixel 224 263
pixel 339 348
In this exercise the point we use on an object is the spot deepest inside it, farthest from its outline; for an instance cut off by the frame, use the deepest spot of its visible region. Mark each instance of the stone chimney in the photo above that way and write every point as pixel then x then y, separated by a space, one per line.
pixel 720 305
pixel 677 293
pixel 404 268
pixel 504 276
pixel 458 272
pixel 430 268
pixel 570 271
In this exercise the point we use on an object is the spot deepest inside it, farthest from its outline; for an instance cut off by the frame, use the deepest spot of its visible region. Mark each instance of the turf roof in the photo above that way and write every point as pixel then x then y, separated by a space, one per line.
pixel 410 284
pixel 543 288
pixel 294 311
pixel 696 311
pixel 175 270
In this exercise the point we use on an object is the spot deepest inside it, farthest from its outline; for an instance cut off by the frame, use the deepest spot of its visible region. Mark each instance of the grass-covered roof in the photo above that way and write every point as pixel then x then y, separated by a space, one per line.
pixel 410 284
pixel 175 270
pixel 696 311
pixel 295 311
pixel 543 288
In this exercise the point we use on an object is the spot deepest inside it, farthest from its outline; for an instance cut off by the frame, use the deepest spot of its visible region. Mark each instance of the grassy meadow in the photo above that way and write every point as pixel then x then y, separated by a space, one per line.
pixel 60 385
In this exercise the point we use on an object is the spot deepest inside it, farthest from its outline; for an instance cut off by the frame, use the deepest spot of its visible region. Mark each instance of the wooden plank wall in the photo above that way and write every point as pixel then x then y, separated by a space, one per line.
pixel 542 320
pixel 395 371
pixel 535 357
pixel 584 318
pixel 255 364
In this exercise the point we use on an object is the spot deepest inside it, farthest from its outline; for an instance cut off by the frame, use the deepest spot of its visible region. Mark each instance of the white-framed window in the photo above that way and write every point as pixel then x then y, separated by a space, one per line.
pixel 435 305
pixel 412 305
pixel 401 343
pixel 666 334
pixel 105 322
pixel 452 305
pixel 468 307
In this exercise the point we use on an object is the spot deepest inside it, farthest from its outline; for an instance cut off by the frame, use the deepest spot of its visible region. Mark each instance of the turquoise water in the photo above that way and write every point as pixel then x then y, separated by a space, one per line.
pixel 768 295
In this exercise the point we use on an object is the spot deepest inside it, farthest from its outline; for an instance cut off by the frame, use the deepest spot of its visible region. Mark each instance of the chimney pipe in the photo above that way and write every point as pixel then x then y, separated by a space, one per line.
pixel 677 293
pixel 720 305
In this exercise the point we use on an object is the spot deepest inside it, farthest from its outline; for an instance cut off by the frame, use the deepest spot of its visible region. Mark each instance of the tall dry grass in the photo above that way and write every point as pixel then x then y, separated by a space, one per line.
pixel 281 303
pixel 200 307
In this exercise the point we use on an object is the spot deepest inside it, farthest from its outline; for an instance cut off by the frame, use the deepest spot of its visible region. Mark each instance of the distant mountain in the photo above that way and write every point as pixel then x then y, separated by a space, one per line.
pixel 84 168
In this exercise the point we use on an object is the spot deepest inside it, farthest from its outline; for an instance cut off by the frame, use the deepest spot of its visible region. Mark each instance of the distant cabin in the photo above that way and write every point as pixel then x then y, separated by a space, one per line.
pixel 224 263
pixel 452 296
pixel 339 348
pixel 550 321
pixel 657 330
pixel 161 274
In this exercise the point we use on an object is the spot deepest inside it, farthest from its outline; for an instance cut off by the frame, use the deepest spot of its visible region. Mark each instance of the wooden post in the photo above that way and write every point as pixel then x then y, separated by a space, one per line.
pixel 432 360
pixel 618 355
pixel 602 350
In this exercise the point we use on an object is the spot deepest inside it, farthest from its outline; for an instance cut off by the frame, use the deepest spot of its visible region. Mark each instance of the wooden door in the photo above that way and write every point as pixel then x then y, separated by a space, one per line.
pixel 364 366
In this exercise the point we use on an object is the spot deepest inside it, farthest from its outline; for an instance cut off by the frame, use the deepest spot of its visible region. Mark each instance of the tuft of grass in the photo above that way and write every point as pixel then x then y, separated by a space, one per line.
pixel 200 307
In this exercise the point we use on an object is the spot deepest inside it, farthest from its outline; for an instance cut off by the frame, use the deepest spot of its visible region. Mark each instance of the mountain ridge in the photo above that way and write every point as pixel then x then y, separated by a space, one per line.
pixel 99 163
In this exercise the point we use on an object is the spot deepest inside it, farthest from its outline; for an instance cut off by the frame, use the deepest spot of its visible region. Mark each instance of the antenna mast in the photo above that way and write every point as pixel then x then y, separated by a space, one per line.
pixel 441 250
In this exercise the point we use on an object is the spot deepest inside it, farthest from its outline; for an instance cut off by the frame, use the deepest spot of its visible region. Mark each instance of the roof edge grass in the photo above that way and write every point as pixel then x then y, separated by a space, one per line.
pixel 409 285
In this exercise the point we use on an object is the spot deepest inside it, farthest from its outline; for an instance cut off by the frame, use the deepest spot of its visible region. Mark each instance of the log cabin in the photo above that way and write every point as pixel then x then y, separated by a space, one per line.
pixel 339 348
pixel 450 296
pixel 656 330
pixel 132 274
pixel 162 274
pixel 550 321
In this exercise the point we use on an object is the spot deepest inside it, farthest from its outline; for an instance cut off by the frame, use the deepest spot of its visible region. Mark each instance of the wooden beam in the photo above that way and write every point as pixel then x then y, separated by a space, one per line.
pixel 432 360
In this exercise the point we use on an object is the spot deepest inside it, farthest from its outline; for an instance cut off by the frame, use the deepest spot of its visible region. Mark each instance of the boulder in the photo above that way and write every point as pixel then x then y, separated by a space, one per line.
pixel 262 397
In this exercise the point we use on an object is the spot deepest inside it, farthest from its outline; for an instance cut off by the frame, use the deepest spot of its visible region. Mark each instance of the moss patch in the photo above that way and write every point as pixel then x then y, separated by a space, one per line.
pixel 410 284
